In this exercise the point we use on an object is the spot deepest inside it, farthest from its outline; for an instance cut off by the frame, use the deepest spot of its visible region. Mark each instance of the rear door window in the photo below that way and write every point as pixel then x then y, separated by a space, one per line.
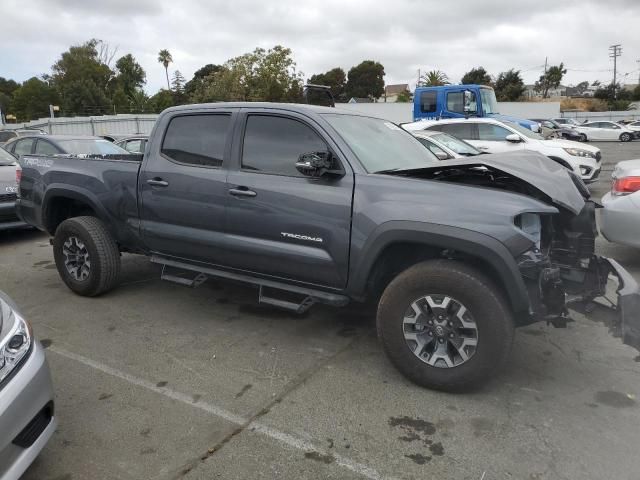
pixel 45 148
pixel 23 147
pixel 464 130
pixel 492 133
pixel 197 139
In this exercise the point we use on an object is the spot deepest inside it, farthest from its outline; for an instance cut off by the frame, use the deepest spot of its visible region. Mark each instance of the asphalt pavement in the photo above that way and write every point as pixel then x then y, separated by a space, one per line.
pixel 159 381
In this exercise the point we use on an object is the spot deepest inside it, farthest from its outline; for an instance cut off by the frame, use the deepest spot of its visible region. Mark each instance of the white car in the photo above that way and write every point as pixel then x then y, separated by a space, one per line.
pixel 567 122
pixel 635 126
pixel 620 217
pixel 605 131
pixel 445 146
pixel 492 136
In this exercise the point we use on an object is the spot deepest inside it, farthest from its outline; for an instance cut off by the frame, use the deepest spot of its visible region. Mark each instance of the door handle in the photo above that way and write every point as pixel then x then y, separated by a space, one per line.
pixel 157 182
pixel 242 192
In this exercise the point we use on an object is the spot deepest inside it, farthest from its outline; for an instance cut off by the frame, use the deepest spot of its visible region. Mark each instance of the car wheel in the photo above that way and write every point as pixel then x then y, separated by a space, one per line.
pixel 86 255
pixel 582 138
pixel 626 137
pixel 445 326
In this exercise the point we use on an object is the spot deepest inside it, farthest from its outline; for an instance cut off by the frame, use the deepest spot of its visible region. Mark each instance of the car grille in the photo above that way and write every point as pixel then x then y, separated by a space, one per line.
pixel 8 197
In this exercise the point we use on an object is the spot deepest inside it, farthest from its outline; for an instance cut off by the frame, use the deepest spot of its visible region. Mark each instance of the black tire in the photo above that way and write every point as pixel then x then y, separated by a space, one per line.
pixel 495 326
pixel 102 252
pixel 626 137
pixel 583 138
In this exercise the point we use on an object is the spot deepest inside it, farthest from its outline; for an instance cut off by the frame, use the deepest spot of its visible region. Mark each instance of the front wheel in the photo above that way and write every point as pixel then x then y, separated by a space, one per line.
pixel 445 326
pixel 86 255
pixel 626 137
pixel 582 138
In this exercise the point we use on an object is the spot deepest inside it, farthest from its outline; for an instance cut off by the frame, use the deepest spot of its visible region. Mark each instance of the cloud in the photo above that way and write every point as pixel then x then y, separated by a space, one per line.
pixel 404 35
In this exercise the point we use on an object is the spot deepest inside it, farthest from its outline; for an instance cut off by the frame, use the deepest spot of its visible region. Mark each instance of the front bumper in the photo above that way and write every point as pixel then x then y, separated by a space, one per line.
pixel 27 420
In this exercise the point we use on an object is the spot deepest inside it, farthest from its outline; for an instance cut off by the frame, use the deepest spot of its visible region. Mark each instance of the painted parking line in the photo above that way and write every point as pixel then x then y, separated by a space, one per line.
pixel 254 426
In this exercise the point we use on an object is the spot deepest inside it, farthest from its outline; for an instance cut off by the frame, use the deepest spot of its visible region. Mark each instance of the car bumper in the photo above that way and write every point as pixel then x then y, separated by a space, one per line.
pixel 8 217
pixel 620 219
pixel 27 418
pixel 628 305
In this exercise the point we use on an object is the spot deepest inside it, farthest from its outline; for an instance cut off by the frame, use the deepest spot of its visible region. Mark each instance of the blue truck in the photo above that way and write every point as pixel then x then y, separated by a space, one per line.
pixel 453 101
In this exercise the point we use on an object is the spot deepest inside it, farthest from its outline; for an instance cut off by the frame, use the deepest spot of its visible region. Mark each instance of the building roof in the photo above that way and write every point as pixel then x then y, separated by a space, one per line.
pixel 396 88
pixel 359 100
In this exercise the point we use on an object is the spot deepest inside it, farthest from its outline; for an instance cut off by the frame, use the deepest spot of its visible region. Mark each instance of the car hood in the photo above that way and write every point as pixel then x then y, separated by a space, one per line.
pixel 560 186
pixel 562 143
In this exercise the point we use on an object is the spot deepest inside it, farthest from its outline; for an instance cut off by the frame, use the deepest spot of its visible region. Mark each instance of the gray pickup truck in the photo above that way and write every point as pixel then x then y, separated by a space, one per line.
pixel 315 204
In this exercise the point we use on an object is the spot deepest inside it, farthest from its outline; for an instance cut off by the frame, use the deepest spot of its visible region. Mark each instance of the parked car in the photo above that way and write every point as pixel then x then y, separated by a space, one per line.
pixel 635 126
pixel 552 129
pixel 567 122
pixel 314 204
pixel 445 146
pixel 134 144
pixel 27 419
pixel 6 135
pixel 605 131
pixel 620 217
pixel 8 192
pixel 62 144
pixel 460 101
pixel 492 136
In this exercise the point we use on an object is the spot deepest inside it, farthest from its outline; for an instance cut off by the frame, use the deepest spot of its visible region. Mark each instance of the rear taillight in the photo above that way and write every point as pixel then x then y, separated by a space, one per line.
pixel 625 185
pixel 18 174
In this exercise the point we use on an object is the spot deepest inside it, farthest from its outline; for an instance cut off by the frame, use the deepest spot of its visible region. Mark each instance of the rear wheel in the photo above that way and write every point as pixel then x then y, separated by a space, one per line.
pixel 86 255
pixel 445 326
pixel 625 137
pixel 582 138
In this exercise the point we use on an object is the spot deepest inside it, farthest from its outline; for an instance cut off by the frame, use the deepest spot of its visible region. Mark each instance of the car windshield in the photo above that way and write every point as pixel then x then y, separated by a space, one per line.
pixel 6 158
pixel 524 131
pixel 459 146
pixel 381 145
pixel 90 146
pixel 489 102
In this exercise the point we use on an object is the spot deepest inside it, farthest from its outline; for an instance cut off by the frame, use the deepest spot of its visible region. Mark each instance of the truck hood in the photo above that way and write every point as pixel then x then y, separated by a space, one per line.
pixel 524 172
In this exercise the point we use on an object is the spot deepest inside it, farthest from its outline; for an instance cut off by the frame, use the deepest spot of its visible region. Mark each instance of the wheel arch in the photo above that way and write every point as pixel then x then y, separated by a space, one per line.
pixel 401 244
pixel 60 203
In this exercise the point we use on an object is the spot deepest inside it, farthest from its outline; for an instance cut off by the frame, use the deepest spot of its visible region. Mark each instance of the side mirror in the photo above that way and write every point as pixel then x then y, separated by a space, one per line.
pixel 469 102
pixel 442 155
pixel 513 138
pixel 315 164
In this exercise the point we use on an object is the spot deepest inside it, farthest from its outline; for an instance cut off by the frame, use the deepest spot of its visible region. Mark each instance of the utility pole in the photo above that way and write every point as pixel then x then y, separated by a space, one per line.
pixel 638 62
pixel 614 52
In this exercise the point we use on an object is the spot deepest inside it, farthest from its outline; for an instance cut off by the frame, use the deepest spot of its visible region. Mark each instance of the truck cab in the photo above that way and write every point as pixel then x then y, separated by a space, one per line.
pixel 459 101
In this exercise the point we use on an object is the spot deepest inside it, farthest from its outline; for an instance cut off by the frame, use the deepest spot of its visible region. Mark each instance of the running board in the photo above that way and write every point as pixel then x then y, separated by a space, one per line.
pixel 310 295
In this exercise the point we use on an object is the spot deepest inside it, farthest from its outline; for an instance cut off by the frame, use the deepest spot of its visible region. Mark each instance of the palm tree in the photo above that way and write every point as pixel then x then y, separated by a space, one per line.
pixel 165 58
pixel 434 78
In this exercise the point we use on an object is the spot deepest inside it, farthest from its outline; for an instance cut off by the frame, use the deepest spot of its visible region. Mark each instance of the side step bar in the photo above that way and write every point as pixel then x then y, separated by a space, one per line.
pixel 310 295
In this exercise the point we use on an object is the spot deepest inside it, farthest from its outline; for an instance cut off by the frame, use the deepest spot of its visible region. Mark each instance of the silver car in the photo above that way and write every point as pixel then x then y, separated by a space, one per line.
pixel 620 217
pixel 27 418
pixel 8 192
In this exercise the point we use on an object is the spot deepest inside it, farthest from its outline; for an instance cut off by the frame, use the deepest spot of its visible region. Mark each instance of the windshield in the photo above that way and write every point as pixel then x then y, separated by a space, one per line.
pixel 90 147
pixel 524 131
pixel 6 158
pixel 459 146
pixel 489 102
pixel 381 145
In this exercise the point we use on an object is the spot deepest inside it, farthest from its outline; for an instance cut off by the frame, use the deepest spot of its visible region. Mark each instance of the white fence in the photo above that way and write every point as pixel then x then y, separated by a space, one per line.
pixel 595 116
pixel 125 124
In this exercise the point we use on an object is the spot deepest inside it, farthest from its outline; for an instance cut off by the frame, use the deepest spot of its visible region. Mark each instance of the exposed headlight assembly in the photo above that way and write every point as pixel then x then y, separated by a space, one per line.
pixel 16 344
pixel 578 152
pixel 531 226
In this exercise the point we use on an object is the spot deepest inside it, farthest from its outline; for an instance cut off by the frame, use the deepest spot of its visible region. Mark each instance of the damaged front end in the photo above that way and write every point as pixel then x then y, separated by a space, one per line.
pixel 563 272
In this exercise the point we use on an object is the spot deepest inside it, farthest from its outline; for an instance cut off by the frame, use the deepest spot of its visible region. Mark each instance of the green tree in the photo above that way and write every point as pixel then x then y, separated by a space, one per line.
pixel 477 76
pixel 177 82
pixel 31 100
pixel 551 79
pixel 336 79
pixel 366 80
pixel 262 75
pixel 165 58
pixel 434 78
pixel 404 97
pixel 130 75
pixel 81 80
pixel 139 101
pixel 161 100
pixel 509 86
pixel 7 87
pixel 582 86
pixel 199 77
pixel 636 93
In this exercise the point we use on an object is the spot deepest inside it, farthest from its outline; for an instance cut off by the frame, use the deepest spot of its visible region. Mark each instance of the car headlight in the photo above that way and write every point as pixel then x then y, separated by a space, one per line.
pixel 530 225
pixel 16 344
pixel 578 152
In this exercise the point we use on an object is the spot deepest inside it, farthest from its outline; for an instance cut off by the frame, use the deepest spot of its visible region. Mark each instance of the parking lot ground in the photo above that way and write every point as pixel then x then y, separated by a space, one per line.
pixel 158 381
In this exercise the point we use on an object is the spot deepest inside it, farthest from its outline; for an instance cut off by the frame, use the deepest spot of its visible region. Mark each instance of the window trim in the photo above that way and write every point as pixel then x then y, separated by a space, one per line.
pixel 225 159
pixel 266 113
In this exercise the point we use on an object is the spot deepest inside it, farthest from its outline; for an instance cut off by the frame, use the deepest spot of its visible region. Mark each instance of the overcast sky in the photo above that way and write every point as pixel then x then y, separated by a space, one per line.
pixel 404 35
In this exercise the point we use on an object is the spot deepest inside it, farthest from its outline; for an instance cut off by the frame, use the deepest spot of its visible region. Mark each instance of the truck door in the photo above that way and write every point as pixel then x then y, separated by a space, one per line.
pixel 282 223
pixel 454 102
pixel 182 186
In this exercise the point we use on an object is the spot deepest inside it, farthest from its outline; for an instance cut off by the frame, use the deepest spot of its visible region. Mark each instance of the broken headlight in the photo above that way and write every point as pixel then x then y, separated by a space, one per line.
pixel 531 226
pixel 15 345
